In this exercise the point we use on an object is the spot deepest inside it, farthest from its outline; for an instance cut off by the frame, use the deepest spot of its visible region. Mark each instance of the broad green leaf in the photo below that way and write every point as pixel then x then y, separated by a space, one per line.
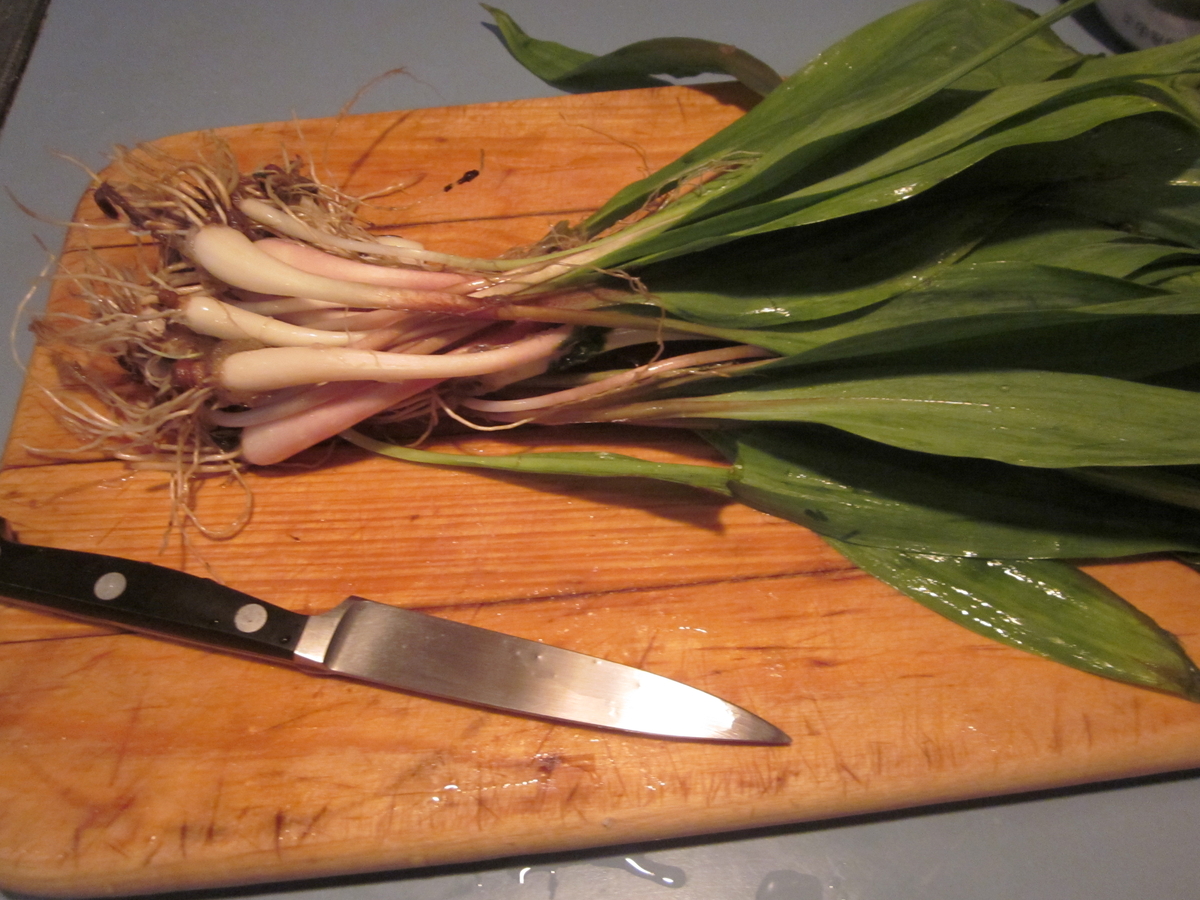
pixel 548 60
pixel 1120 346
pixel 832 267
pixel 942 303
pixel 1106 340
pixel 835 267
pixel 862 492
pixel 1182 278
pixel 828 269
pixel 1032 418
pixel 1177 486
pixel 632 66
pixel 1009 315
pixel 883 69
pixel 738 209
pixel 1042 606
pixel 1139 175
pixel 1046 238
pixel 1136 196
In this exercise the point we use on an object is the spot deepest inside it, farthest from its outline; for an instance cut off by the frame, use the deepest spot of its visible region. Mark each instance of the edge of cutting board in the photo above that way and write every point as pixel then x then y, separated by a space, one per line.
pixel 133 765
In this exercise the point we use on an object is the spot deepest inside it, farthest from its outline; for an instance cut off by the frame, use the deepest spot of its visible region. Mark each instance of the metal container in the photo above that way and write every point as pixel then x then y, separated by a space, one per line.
pixel 1151 23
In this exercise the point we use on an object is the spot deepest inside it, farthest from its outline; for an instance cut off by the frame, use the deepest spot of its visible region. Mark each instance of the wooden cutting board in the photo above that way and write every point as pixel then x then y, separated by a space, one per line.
pixel 129 764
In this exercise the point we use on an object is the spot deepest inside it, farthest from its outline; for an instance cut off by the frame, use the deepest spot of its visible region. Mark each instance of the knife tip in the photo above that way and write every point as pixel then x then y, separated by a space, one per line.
pixel 778 738
pixel 750 729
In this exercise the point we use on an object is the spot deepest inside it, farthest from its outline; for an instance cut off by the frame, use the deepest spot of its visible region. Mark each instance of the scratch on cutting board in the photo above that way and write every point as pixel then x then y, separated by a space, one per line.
pixel 126 736
pixel 212 830
pixel 98 633
pixel 311 827
pixel 682 784
pixel 300 717
pixel 764 776
pixel 100 819
pixel 1136 717
pixel 641 663
pixel 285 827
pixel 719 788
pixel 280 824
pixel 98 812
pixel 539 752
pixel 933 752
pixel 92 661
pixel 155 846
pixel 421 770
pixel 544 784
pixel 879 752
pixel 841 767
pixel 483 809
pixel 613 768
pixel 845 769
pixel 1057 738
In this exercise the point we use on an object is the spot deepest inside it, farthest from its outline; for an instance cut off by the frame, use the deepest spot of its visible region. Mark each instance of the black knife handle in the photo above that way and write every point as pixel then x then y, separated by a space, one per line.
pixel 146 597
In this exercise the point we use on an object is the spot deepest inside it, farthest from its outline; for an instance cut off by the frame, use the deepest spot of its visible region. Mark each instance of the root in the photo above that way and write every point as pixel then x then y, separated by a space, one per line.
pixel 137 383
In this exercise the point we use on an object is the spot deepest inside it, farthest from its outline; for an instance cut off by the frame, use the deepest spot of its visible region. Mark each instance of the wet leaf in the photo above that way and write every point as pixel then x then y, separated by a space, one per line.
pixel 1045 607
pixel 862 492
pixel 1029 418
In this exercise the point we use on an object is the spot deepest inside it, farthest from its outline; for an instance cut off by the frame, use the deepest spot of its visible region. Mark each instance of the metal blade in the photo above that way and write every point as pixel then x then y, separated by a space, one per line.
pixel 425 654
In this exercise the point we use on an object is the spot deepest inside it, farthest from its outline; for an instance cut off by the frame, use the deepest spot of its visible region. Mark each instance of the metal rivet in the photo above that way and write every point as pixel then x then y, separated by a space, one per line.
pixel 250 618
pixel 109 586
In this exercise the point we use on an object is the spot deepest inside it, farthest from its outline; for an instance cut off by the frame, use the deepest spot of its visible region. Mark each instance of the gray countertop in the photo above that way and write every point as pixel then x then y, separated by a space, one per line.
pixel 108 72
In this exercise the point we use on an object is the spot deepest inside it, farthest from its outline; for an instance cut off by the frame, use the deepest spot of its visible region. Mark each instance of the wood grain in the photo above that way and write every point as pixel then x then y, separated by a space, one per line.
pixel 131 765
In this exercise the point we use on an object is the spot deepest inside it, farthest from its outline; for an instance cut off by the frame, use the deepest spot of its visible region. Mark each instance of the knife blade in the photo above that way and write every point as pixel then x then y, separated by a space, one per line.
pixel 372 642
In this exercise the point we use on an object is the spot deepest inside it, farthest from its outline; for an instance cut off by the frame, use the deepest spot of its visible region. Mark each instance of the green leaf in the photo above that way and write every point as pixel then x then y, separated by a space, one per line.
pixel 1045 607
pixel 1045 237
pixel 862 492
pixel 634 65
pixel 827 269
pixel 998 306
pixel 1118 346
pixel 1041 606
pixel 1177 486
pixel 1031 418
pixel 865 493
pixel 880 71
pixel 1006 118
pixel 932 245
pixel 969 241
pixel 603 464
pixel 1008 315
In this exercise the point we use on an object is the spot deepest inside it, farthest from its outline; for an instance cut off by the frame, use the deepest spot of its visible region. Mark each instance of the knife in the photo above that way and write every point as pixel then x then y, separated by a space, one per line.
pixel 375 643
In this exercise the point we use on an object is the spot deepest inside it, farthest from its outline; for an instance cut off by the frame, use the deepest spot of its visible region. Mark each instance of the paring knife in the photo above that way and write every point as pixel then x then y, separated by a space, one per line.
pixel 376 643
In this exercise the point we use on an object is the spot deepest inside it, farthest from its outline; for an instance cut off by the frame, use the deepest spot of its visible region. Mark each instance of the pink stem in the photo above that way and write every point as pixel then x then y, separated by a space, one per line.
pixel 505 409
pixel 318 262
pixel 272 442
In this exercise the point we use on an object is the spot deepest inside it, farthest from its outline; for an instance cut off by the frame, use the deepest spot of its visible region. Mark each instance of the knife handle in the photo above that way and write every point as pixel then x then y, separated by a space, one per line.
pixel 145 597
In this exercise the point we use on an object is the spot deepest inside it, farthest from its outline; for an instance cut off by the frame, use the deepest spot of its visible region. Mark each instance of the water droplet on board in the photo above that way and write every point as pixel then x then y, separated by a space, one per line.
pixel 523 877
pixel 659 873
pixel 788 884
